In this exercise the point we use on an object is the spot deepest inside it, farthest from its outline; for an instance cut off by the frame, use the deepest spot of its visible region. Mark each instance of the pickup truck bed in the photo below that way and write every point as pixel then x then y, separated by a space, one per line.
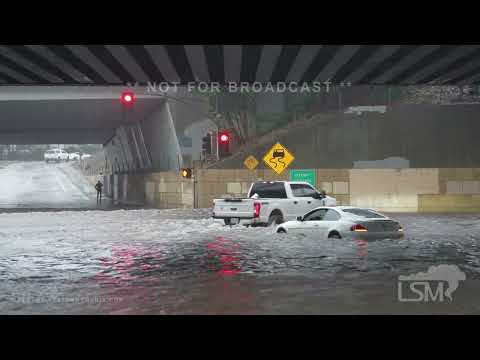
pixel 238 208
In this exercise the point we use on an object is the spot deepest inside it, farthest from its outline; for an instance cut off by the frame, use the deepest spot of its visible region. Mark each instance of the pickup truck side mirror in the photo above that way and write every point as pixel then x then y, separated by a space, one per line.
pixel 318 196
pixel 299 218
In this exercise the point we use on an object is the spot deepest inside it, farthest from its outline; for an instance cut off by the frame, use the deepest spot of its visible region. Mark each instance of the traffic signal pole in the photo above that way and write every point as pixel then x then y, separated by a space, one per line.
pixel 216 142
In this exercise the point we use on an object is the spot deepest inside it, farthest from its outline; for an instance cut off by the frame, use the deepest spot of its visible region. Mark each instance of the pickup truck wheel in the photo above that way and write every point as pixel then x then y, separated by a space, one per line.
pixel 281 231
pixel 275 219
pixel 227 221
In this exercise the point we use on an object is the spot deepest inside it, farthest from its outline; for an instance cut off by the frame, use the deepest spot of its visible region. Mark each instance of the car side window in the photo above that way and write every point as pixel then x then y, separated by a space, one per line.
pixel 302 190
pixel 331 215
pixel 296 190
pixel 316 215
pixel 309 191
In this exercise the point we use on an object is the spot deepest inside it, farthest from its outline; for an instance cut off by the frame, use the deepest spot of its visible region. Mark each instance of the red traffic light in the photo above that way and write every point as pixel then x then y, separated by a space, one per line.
pixel 127 98
pixel 224 137
pixel 224 142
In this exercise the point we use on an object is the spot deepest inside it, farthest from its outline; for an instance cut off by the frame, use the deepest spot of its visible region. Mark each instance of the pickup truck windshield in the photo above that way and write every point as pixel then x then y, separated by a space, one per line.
pixel 269 190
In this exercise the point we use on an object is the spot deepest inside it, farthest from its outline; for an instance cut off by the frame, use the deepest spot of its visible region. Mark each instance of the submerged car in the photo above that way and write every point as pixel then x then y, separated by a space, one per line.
pixel 344 222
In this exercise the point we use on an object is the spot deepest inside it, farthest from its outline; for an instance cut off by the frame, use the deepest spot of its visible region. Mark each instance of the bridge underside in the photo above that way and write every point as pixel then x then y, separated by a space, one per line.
pixel 73 115
pixel 120 64
pixel 143 136
pixel 70 93
pixel 58 136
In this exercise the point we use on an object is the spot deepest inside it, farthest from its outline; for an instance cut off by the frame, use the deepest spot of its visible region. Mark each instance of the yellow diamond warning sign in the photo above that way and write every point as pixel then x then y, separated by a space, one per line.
pixel 251 162
pixel 278 158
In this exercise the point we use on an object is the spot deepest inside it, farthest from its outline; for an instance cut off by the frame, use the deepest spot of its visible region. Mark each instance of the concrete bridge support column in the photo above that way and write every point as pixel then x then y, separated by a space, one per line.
pixel 126 148
pixel 115 187
pixel 150 145
pixel 161 140
pixel 115 153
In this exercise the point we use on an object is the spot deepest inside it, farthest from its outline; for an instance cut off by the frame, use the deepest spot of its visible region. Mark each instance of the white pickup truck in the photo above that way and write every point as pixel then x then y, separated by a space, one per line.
pixel 271 202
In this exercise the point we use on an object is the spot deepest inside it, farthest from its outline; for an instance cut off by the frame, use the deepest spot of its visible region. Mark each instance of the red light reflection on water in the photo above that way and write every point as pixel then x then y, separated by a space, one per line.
pixel 123 264
pixel 226 251
pixel 362 248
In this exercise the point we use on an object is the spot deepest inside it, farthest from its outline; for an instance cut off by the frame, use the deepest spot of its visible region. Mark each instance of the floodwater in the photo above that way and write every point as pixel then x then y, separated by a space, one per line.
pixel 183 262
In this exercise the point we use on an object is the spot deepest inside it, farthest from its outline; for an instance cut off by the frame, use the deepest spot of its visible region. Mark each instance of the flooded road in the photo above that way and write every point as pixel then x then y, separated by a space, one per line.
pixel 183 262
pixel 36 185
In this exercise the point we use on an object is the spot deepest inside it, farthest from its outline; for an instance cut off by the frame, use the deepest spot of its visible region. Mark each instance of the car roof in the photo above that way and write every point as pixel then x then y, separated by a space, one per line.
pixel 344 207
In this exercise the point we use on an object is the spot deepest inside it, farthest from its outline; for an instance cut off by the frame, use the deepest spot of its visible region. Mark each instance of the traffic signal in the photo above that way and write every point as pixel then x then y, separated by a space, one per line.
pixel 186 173
pixel 224 139
pixel 207 144
pixel 127 98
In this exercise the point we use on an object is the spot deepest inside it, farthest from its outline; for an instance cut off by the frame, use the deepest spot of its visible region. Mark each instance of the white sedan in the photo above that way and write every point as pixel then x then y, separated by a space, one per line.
pixel 344 222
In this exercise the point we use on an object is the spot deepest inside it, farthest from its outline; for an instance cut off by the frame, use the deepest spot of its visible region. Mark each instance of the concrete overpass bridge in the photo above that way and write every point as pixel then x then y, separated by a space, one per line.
pixel 70 93
pixel 119 64
pixel 143 136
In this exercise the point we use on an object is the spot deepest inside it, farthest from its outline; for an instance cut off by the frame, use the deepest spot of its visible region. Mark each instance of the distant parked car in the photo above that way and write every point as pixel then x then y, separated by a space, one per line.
pixel 55 155
pixel 74 156
pixel 85 156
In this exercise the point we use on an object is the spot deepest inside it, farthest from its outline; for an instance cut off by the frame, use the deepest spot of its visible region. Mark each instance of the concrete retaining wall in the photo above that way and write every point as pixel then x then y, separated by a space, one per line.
pixel 390 190
pixel 168 190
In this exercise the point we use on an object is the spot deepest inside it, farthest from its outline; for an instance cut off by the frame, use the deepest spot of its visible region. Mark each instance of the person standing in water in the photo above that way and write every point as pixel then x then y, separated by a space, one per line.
pixel 98 187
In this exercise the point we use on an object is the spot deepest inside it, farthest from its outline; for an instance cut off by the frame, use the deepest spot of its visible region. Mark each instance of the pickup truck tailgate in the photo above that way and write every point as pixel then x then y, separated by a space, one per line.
pixel 233 208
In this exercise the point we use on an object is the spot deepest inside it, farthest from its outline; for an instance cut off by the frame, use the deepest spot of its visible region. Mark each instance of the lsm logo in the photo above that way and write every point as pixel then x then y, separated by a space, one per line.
pixel 434 285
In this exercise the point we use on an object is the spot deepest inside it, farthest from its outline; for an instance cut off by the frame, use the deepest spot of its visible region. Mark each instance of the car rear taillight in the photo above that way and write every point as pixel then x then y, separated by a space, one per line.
pixel 256 209
pixel 358 228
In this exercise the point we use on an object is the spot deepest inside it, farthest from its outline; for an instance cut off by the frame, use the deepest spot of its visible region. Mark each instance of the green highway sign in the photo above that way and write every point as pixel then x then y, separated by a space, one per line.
pixel 304 175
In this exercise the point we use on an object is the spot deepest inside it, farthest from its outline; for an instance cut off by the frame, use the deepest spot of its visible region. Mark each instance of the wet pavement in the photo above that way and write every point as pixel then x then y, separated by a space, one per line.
pixel 37 185
pixel 183 262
